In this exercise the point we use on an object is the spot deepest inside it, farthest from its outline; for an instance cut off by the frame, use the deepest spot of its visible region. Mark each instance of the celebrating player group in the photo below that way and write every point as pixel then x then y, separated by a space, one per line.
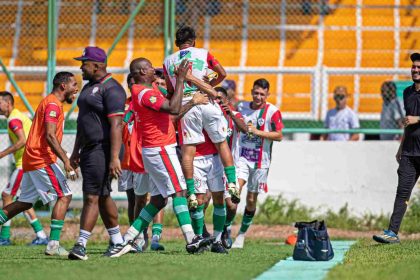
pixel 177 135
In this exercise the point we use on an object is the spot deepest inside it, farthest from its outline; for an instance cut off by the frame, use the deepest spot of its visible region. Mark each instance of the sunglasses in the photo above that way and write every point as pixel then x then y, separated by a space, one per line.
pixel 339 97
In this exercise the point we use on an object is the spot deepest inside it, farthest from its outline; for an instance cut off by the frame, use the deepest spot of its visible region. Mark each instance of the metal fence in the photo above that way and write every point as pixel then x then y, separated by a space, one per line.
pixel 304 48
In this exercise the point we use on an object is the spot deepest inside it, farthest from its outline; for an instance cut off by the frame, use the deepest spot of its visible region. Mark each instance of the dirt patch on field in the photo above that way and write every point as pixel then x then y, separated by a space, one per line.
pixel 280 232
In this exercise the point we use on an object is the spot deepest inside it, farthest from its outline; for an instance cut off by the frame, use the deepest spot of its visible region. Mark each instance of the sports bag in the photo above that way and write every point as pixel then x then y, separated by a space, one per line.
pixel 313 242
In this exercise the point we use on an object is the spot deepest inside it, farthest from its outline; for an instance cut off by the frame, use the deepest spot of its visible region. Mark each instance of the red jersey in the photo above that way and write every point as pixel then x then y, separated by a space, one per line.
pixel 156 127
pixel 38 154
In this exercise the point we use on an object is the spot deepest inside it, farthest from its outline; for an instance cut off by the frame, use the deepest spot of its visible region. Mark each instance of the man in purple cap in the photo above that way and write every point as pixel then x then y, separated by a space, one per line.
pixel 98 142
pixel 408 155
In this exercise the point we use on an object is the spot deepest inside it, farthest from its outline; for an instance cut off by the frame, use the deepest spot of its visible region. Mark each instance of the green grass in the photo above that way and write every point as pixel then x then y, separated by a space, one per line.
pixel 22 262
pixel 369 260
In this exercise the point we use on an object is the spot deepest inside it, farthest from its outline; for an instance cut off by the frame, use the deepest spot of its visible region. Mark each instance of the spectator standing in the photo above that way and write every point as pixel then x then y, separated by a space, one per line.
pixel 392 113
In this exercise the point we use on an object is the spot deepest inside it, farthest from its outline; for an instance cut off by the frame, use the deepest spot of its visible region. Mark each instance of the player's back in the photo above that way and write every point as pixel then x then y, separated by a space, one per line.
pixel 38 153
pixel 17 120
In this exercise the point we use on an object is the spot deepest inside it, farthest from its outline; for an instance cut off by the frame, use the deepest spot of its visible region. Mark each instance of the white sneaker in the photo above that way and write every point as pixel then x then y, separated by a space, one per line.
pixel 56 251
pixel 239 242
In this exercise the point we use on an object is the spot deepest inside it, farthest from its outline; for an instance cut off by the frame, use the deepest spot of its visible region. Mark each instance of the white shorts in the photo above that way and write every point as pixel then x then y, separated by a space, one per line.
pixel 126 181
pixel 164 170
pixel 208 117
pixel 208 174
pixel 141 183
pixel 14 182
pixel 47 183
pixel 256 178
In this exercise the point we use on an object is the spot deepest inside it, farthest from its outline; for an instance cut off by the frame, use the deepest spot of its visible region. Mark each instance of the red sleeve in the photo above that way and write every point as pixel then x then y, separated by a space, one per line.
pixel 15 125
pixel 276 122
pixel 153 100
pixel 52 112
pixel 211 61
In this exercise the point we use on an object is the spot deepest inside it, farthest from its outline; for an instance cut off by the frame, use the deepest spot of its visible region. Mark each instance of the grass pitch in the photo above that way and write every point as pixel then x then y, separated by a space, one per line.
pixel 370 260
pixel 23 262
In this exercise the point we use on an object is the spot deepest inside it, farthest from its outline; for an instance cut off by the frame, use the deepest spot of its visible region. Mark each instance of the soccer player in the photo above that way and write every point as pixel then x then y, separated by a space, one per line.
pixel 18 126
pixel 264 126
pixel 159 155
pixel 208 117
pixel 236 125
pixel 98 142
pixel 42 177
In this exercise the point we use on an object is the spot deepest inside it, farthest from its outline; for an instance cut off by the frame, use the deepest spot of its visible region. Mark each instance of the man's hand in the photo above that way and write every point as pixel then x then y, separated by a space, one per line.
pixel 115 168
pixel 409 120
pixel 75 159
pixel 200 99
pixel 226 108
pixel 71 173
pixel 252 129
pixel 183 69
pixel 398 155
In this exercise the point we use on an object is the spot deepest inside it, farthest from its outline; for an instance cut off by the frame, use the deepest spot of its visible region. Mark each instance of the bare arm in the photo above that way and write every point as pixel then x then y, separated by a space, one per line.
pixel 270 135
pixel 204 87
pixel 116 140
pixel 197 99
pixel 21 140
pixel 221 75
pixel 52 141
pixel 399 152
pixel 354 137
pixel 239 123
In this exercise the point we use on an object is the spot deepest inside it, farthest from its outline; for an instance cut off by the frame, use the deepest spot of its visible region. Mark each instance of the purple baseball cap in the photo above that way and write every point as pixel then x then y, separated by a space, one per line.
pixel 93 54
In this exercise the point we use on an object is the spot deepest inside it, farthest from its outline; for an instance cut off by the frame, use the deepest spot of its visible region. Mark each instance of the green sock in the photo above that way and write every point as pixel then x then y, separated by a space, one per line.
pixel 157 230
pixel 3 217
pixel 56 227
pixel 36 225
pixel 197 220
pixel 146 216
pixel 181 210
pixel 219 217
pixel 5 230
pixel 230 172
pixel 190 186
pixel 246 220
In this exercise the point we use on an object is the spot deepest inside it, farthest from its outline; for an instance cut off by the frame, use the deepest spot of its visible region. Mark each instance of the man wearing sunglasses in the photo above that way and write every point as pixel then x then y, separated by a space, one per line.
pixel 341 117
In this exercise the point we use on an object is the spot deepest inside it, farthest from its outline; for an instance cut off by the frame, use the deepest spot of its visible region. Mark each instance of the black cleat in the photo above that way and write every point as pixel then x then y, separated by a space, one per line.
pixel 218 248
pixel 78 252
pixel 196 244
pixel 226 238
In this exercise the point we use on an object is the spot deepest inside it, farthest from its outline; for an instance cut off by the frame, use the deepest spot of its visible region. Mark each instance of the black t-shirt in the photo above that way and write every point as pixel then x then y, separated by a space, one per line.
pixel 411 145
pixel 97 102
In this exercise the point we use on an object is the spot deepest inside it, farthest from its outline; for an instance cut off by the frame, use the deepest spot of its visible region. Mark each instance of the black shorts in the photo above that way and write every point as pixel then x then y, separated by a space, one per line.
pixel 94 164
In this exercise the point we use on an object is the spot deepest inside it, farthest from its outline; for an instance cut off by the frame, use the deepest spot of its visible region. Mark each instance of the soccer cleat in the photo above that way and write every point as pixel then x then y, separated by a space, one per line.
pixel 388 237
pixel 5 242
pixel 192 202
pixel 38 241
pixel 78 252
pixel 218 248
pixel 135 248
pixel 56 251
pixel 233 190
pixel 239 242
pixel 196 244
pixel 156 246
pixel 226 238
pixel 118 250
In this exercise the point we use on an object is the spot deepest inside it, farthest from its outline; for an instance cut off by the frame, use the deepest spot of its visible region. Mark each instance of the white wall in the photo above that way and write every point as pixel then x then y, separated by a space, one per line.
pixel 329 174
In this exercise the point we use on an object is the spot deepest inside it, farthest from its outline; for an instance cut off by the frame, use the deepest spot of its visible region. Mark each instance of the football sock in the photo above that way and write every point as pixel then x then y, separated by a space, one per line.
pixel 190 186
pixel 246 220
pixel 84 236
pixel 219 218
pixel 115 234
pixel 230 172
pixel 197 220
pixel 5 230
pixel 183 216
pixel 142 221
pixel 3 217
pixel 56 227
pixel 37 227
pixel 156 231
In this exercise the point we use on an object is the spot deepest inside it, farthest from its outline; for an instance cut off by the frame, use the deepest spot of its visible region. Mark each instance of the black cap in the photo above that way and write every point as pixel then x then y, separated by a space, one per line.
pixel 415 56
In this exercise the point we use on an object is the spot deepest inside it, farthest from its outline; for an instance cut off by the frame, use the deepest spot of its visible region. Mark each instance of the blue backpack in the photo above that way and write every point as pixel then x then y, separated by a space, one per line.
pixel 313 242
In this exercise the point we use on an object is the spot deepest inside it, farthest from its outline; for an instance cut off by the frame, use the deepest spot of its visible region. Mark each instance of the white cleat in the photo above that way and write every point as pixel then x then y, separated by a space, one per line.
pixel 239 242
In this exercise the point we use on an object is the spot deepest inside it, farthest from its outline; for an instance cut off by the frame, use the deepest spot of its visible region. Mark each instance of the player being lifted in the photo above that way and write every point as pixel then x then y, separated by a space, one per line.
pixel 42 176
pixel 206 117
pixel 18 126
pixel 159 155
pixel 264 126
